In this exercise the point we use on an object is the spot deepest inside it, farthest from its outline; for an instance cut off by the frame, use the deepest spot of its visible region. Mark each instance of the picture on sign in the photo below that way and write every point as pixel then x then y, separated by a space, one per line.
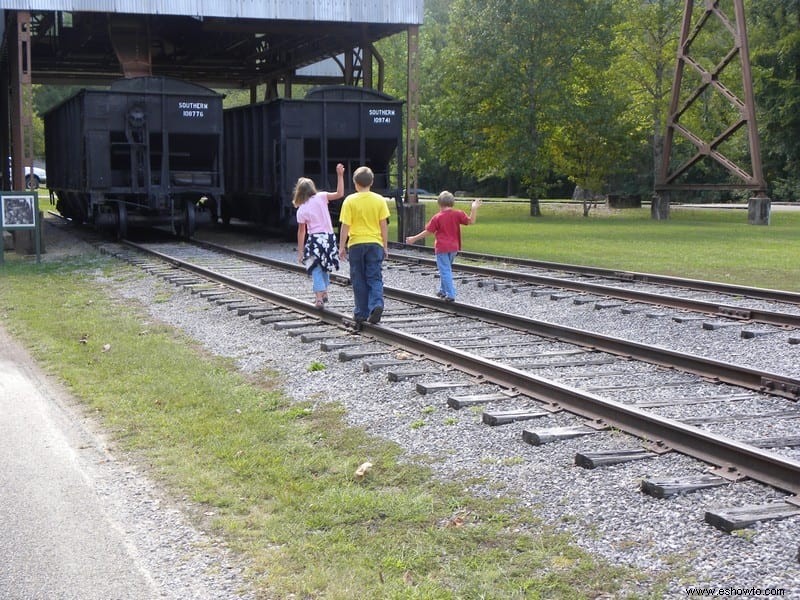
pixel 17 211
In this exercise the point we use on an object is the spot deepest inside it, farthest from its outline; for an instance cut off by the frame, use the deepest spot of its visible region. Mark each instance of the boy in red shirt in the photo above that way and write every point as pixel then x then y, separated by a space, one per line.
pixel 446 227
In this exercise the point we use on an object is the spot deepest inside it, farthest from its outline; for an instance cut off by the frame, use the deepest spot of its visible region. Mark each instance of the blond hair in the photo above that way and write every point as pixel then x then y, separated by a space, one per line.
pixel 363 177
pixel 446 199
pixel 303 190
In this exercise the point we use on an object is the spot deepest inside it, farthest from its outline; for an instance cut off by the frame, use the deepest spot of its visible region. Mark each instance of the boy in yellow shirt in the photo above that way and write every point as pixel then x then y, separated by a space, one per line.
pixel 364 239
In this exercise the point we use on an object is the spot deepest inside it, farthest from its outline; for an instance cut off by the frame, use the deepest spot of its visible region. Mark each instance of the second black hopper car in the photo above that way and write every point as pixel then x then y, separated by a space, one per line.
pixel 147 149
pixel 270 144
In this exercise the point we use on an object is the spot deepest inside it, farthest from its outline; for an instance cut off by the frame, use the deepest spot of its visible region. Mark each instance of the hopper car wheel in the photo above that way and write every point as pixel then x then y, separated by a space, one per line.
pixel 31 182
pixel 188 224
pixel 122 221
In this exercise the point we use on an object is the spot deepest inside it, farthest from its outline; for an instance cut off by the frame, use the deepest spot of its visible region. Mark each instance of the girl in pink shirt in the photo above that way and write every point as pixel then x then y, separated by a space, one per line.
pixel 316 241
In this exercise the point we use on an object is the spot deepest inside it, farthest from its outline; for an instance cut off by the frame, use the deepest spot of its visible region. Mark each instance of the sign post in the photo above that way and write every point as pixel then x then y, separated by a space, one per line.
pixel 20 210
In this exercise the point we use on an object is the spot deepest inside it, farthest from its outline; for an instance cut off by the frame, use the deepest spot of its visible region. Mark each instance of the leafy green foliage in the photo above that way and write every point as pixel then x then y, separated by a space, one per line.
pixel 775 54
pixel 526 92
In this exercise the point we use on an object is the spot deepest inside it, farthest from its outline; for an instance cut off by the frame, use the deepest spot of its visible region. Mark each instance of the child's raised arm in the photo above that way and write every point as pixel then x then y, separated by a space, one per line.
pixel 339 184
pixel 473 211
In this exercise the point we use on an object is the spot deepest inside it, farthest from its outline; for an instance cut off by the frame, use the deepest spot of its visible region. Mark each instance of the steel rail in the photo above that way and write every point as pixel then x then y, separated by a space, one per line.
pixel 631 276
pixel 737 459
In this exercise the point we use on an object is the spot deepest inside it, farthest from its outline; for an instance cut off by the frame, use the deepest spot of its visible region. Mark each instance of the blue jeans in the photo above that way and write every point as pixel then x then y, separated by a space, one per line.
pixel 444 262
pixel 366 278
pixel 320 279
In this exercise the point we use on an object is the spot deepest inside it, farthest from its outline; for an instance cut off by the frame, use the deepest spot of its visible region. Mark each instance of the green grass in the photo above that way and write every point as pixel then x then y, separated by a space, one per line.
pixel 277 479
pixel 718 245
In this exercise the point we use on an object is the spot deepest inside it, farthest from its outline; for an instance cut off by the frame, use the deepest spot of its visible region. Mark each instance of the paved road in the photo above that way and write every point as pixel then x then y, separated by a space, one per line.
pixel 75 525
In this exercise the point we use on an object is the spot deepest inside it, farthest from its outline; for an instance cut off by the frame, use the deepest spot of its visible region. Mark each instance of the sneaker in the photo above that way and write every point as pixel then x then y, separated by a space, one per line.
pixel 440 294
pixel 375 315
pixel 319 304
pixel 449 299
pixel 354 324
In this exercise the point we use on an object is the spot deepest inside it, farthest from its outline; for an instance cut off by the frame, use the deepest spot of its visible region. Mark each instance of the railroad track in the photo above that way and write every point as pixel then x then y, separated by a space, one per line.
pixel 523 371
pixel 729 304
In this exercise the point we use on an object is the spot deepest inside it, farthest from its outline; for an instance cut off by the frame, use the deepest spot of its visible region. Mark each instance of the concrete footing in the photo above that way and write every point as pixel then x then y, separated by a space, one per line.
pixel 412 221
pixel 758 211
pixel 659 207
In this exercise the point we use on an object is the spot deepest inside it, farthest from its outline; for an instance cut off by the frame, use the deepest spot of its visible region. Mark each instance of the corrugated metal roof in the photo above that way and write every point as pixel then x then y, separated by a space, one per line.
pixel 355 11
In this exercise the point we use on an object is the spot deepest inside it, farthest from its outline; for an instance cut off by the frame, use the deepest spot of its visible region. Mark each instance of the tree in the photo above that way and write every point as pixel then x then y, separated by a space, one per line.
pixel 490 100
pixel 594 140
pixel 774 30
pixel 505 76
pixel 591 136
pixel 646 40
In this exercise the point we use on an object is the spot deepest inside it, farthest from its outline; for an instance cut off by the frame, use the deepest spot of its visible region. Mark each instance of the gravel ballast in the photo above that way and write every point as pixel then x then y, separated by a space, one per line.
pixel 602 509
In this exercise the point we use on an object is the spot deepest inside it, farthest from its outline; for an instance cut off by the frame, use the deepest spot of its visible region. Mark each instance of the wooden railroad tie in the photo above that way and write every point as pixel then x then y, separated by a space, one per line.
pixel 430 388
pixel 203 286
pixel 749 334
pixel 294 324
pixel 356 354
pixel 636 308
pixel 407 374
pixel 260 314
pixel 593 460
pixel 213 294
pixel 689 318
pixel 331 345
pixel 512 416
pixel 540 437
pixel 380 363
pixel 581 300
pixel 741 517
pixel 307 338
pixel 671 487
pixel 714 325
pixel 789 441
pixel 228 300
pixel 459 402
pixel 606 304
pixel 182 280
pixel 307 330
pixel 274 317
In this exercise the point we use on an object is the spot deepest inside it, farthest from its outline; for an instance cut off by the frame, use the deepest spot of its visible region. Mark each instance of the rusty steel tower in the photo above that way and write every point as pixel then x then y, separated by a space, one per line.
pixel 720 92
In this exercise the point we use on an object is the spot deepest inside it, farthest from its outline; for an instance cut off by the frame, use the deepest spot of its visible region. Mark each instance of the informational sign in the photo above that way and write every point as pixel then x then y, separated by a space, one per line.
pixel 18 210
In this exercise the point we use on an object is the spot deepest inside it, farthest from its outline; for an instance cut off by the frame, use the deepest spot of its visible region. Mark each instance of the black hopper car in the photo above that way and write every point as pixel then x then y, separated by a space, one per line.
pixel 148 149
pixel 270 144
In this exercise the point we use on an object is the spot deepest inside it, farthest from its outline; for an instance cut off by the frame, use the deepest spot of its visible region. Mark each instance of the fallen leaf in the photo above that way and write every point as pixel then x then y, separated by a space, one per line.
pixel 362 470
pixel 456 522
